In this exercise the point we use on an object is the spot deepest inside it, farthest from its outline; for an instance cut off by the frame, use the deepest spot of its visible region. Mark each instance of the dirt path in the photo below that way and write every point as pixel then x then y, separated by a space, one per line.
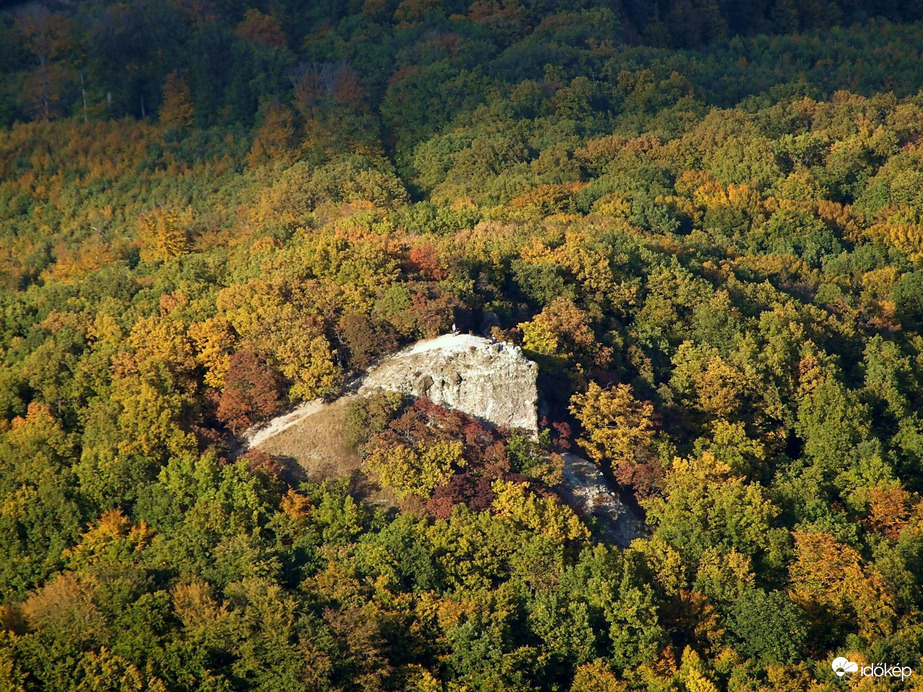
pixel 449 342
pixel 257 436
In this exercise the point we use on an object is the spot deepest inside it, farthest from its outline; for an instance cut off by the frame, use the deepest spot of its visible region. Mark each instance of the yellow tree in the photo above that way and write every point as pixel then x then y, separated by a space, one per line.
pixel 305 357
pixel 713 384
pixel 596 677
pixel 559 329
pixel 829 580
pixel 214 341
pixel 276 139
pixel 514 502
pixel 261 28
pixel 271 320
pixel 618 428
pixel 721 388
pixel 177 109
pixel 410 471
pixel 704 506
pixel 694 673
pixel 561 338
pixel 108 671
pixel 112 540
pixel 162 235
pixel 64 608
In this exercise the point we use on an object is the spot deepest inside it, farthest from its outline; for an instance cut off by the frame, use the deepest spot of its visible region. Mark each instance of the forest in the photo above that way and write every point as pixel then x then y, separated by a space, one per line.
pixel 703 219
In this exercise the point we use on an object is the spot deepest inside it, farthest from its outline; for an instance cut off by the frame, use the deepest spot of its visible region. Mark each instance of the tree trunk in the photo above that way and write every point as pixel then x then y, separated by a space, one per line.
pixel 83 93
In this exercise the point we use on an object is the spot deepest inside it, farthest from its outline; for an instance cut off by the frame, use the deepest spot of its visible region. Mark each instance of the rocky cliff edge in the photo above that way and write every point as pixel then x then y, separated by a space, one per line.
pixel 494 382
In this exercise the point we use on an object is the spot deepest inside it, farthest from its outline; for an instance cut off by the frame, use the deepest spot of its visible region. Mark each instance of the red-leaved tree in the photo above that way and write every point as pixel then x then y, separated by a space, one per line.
pixel 251 392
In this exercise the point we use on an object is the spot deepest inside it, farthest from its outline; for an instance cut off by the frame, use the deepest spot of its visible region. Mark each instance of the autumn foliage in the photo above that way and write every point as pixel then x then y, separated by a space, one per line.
pixel 250 394
pixel 702 220
pixel 177 109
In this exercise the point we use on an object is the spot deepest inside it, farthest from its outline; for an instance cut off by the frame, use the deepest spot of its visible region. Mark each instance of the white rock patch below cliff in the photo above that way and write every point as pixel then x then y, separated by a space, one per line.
pixel 490 381
pixel 587 491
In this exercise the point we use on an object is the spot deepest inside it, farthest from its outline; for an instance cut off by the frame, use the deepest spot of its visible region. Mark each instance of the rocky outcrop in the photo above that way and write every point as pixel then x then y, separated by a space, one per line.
pixel 494 382
pixel 588 492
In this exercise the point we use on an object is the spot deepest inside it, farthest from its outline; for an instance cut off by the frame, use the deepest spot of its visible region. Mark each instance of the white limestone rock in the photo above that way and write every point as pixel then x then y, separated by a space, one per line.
pixel 494 382
pixel 587 491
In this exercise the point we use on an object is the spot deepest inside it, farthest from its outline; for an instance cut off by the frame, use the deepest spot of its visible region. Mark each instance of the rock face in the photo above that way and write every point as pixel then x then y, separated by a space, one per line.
pixel 588 492
pixel 492 382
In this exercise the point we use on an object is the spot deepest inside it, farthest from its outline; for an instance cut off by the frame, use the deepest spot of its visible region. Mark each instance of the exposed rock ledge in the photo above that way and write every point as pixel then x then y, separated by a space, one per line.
pixel 494 382
pixel 586 489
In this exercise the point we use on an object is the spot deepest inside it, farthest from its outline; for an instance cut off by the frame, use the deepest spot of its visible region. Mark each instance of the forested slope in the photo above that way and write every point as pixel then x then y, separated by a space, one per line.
pixel 703 220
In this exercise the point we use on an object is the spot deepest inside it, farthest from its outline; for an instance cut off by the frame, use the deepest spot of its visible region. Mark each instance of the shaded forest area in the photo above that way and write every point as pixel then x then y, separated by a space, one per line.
pixel 703 220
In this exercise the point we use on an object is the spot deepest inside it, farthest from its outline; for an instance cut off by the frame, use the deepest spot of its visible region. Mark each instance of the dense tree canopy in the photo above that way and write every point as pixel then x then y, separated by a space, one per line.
pixel 702 219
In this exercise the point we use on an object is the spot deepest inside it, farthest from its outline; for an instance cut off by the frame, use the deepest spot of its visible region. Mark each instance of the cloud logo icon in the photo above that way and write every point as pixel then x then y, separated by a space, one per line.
pixel 842 665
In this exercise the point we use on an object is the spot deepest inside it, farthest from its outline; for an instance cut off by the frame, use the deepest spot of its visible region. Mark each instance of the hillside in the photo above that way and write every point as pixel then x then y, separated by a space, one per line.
pixel 694 226
pixel 490 382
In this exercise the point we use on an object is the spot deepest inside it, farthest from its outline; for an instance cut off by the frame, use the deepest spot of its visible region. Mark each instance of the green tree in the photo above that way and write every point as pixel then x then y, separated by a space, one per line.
pixel 705 506
pixel 43 511
pixel 832 422
pixel 769 626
